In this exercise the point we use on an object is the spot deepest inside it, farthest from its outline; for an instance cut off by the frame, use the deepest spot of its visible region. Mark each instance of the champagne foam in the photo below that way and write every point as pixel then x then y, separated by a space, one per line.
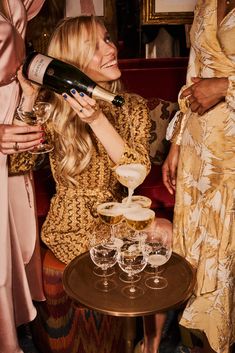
pixel 110 209
pixel 139 200
pixel 131 170
pixel 139 214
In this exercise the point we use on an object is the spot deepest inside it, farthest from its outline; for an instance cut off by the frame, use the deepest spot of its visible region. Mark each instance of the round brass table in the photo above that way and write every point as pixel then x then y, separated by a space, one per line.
pixel 79 283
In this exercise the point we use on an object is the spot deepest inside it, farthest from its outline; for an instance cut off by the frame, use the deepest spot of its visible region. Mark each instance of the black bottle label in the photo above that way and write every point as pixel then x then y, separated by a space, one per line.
pixel 37 68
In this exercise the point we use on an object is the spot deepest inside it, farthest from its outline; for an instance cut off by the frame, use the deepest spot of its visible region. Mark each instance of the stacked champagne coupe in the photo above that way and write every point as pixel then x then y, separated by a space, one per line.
pixel 127 244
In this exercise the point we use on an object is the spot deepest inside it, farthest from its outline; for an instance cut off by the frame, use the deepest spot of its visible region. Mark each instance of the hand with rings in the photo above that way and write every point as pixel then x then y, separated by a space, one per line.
pixel 15 139
pixel 205 93
pixel 85 107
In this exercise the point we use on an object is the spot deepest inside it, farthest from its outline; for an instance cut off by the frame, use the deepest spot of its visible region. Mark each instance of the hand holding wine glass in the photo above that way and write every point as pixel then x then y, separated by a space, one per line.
pixel 39 114
pixel 16 138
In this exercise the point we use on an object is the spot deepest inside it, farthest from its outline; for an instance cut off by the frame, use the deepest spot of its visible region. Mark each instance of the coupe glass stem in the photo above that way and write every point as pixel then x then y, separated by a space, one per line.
pixel 112 231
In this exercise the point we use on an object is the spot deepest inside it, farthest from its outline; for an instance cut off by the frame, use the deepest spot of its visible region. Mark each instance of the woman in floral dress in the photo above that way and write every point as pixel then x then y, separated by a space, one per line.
pixel 202 155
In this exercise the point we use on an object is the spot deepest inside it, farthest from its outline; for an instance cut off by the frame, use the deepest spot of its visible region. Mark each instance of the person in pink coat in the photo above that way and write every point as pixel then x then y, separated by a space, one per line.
pixel 20 275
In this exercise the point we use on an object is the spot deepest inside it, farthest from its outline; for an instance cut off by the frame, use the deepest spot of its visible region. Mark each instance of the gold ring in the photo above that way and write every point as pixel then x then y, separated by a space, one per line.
pixel 187 102
pixel 16 146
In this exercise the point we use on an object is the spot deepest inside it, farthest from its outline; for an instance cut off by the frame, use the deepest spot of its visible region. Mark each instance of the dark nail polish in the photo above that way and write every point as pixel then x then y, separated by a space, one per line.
pixel 81 94
pixel 73 91
pixel 64 96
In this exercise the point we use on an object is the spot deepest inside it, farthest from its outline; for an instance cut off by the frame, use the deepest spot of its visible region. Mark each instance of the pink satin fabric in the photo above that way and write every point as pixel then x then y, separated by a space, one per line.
pixel 83 7
pixel 20 275
pixel 87 7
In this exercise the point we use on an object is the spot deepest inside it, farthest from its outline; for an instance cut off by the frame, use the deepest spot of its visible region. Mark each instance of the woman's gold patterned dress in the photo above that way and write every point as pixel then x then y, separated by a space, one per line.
pixel 204 231
pixel 72 215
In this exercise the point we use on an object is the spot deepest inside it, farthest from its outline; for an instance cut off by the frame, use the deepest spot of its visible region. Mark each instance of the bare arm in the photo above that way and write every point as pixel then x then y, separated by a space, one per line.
pixel 169 168
pixel 87 110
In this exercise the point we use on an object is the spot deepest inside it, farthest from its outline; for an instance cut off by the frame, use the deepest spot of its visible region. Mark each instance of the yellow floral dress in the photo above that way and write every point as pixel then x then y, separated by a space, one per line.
pixel 204 231
pixel 72 215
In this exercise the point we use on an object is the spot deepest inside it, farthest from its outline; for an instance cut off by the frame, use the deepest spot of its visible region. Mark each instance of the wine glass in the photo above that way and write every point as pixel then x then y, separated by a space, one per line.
pixel 132 259
pixel 160 225
pixel 131 176
pixel 125 276
pixel 38 116
pixel 159 252
pixel 100 235
pixel 104 257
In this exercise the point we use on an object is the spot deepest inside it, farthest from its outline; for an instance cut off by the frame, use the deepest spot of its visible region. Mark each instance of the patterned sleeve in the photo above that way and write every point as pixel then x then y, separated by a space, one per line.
pixel 20 163
pixel 137 139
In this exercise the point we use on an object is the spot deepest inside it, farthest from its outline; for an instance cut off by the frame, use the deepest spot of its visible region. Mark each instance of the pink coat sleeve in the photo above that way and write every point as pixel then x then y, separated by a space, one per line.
pixel 12 33
pixel 32 7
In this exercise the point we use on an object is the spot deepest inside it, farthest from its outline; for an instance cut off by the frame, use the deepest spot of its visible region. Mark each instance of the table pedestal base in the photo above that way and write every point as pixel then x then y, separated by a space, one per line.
pixel 129 333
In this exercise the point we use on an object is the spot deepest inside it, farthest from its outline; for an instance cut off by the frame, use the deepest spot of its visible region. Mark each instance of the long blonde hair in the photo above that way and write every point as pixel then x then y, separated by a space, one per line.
pixel 73 141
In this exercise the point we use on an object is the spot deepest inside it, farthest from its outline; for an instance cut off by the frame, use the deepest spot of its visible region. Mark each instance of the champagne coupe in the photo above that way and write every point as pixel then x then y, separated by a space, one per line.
pixel 38 116
pixel 132 259
pixel 159 252
pixel 104 257
pixel 138 220
pixel 131 176
pixel 110 213
pixel 141 200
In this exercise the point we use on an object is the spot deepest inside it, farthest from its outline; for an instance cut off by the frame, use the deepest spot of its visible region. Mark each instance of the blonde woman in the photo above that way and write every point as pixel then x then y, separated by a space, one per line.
pixel 90 137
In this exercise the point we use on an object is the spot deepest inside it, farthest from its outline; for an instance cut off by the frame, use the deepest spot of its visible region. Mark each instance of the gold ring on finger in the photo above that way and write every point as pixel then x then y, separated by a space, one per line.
pixel 16 146
pixel 187 102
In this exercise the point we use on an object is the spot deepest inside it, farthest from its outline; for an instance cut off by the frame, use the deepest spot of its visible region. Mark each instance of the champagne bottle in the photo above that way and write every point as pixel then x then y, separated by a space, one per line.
pixel 61 77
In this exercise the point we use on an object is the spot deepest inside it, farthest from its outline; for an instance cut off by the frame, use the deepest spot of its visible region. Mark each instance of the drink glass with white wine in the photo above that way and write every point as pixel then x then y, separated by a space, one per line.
pixel 131 176
pixel 159 252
